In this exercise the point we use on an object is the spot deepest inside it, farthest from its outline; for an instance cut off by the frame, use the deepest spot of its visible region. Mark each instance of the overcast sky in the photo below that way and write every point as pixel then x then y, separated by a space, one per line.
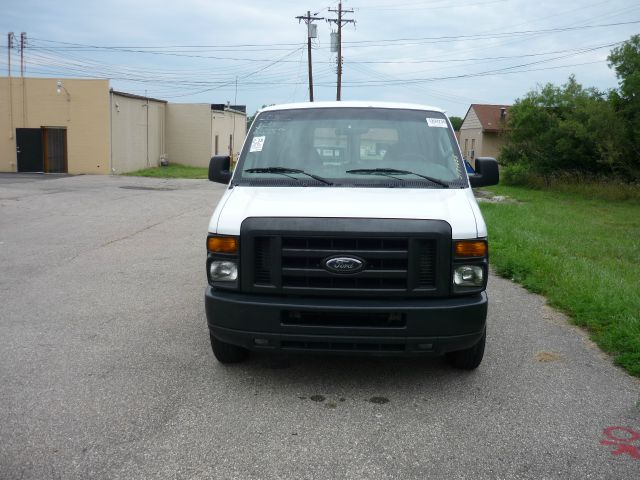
pixel 435 52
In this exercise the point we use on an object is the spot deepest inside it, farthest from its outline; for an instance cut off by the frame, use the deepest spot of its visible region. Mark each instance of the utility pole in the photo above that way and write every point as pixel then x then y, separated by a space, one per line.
pixel 10 37
pixel 23 41
pixel 308 20
pixel 340 22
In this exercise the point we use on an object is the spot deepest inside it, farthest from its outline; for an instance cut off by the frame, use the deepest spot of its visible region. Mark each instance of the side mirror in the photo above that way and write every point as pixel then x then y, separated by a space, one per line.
pixel 219 169
pixel 486 172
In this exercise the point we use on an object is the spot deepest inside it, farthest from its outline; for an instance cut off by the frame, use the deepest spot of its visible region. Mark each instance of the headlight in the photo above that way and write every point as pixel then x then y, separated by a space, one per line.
pixel 223 271
pixel 468 276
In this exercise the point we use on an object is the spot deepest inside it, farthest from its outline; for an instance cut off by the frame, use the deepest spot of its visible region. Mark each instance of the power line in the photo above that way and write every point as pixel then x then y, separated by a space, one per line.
pixel 405 7
pixel 471 59
pixel 208 72
pixel 415 81
pixel 157 50
pixel 50 66
pixel 489 36
pixel 245 76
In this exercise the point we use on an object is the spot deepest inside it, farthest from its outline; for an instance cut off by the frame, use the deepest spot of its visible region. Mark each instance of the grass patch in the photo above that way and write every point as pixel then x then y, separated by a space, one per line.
pixel 174 170
pixel 582 253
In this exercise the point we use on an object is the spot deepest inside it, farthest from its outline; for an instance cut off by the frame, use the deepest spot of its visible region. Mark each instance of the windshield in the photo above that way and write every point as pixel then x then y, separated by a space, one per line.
pixel 351 147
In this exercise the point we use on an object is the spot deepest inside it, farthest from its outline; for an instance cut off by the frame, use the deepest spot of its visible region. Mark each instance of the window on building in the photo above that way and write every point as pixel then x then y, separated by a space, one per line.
pixel 216 145
pixel 466 147
pixel 231 145
pixel 473 148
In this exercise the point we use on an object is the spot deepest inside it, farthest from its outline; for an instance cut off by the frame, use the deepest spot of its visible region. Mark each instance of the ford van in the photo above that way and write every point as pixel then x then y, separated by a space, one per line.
pixel 349 228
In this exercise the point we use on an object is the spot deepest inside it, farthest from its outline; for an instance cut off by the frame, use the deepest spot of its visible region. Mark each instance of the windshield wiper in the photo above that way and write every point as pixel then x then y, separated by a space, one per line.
pixel 390 172
pixel 284 171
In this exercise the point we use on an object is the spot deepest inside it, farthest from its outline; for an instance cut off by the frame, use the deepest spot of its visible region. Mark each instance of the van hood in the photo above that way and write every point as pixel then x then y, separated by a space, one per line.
pixel 455 206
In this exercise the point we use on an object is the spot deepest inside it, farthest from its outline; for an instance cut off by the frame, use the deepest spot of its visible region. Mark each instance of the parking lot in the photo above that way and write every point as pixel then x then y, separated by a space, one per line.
pixel 106 369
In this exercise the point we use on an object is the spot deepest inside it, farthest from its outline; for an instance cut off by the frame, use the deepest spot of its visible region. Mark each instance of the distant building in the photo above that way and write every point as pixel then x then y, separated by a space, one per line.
pixel 481 133
pixel 82 126
pixel 198 131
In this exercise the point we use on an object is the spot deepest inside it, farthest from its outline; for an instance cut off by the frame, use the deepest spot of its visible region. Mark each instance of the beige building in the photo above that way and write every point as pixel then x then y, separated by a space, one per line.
pixel 82 126
pixel 481 133
pixel 137 132
pixel 196 132
pixel 54 126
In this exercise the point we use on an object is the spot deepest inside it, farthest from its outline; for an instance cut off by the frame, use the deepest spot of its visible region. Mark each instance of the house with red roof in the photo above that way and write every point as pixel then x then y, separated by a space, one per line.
pixel 482 131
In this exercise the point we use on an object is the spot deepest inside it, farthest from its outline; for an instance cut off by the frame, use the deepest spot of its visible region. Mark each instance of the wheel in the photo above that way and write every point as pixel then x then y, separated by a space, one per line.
pixel 469 358
pixel 227 353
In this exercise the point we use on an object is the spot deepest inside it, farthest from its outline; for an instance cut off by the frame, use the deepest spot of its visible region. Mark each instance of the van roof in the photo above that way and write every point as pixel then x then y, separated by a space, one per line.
pixel 351 104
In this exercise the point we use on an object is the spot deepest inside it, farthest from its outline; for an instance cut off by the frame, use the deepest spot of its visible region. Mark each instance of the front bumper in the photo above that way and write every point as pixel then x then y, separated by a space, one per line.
pixel 427 326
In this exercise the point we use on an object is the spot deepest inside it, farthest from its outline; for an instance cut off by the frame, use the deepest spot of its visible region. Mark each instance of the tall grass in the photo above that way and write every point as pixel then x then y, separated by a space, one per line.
pixel 576 182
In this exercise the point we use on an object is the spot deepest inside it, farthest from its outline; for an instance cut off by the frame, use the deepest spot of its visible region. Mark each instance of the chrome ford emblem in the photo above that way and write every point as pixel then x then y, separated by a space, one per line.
pixel 343 264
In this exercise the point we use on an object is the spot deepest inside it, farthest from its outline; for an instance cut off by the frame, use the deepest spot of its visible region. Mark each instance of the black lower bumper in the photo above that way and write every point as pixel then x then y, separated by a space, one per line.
pixel 341 325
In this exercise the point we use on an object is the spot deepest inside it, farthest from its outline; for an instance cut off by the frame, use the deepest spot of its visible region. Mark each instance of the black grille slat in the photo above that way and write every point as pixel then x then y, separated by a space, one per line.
pixel 344 319
pixel 344 346
pixel 263 261
pixel 426 264
pixel 342 244
pixel 384 254
pixel 317 272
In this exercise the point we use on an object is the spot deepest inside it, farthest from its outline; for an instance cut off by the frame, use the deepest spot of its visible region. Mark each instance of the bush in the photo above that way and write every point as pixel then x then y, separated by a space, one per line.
pixel 571 128
pixel 517 175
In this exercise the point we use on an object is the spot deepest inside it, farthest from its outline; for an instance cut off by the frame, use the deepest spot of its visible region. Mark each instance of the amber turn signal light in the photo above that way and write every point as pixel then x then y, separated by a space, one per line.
pixel 471 248
pixel 222 244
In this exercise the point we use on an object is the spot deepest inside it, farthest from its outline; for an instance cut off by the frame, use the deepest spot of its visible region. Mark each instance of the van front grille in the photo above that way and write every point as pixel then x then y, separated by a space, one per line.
pixel 282 256
pixel 385 260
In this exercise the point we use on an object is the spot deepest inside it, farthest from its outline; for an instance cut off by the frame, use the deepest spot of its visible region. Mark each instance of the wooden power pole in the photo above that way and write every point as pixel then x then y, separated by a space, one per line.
pixel 340 22
pixel 10 37
pixel 23 42
pixel 308 20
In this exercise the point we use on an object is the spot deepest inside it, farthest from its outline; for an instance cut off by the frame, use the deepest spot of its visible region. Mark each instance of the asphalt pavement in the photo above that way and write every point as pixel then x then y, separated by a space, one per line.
pixel 106 370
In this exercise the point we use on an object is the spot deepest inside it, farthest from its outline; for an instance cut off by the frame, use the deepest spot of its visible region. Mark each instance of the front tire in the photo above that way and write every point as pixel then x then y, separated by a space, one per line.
pixel 470 358
pixel 226 352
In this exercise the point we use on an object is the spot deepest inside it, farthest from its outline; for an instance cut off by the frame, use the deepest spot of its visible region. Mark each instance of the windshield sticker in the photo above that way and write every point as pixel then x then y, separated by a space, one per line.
pixel 437 122
pixel 256 144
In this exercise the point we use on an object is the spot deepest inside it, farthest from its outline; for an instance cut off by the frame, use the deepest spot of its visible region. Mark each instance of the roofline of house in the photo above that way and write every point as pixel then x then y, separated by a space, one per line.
pixel 488 130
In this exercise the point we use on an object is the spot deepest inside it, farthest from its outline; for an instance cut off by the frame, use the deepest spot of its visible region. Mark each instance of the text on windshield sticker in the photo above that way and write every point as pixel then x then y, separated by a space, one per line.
pixel 437 122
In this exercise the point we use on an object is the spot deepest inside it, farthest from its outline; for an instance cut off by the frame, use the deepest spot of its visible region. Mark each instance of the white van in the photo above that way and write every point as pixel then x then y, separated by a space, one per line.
pixel 349 228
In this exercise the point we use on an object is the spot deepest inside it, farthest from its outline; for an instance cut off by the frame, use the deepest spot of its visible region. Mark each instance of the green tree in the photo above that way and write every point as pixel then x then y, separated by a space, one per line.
pixel 572 128
pixel 566 128
pixel 625 60
pixel 456 122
